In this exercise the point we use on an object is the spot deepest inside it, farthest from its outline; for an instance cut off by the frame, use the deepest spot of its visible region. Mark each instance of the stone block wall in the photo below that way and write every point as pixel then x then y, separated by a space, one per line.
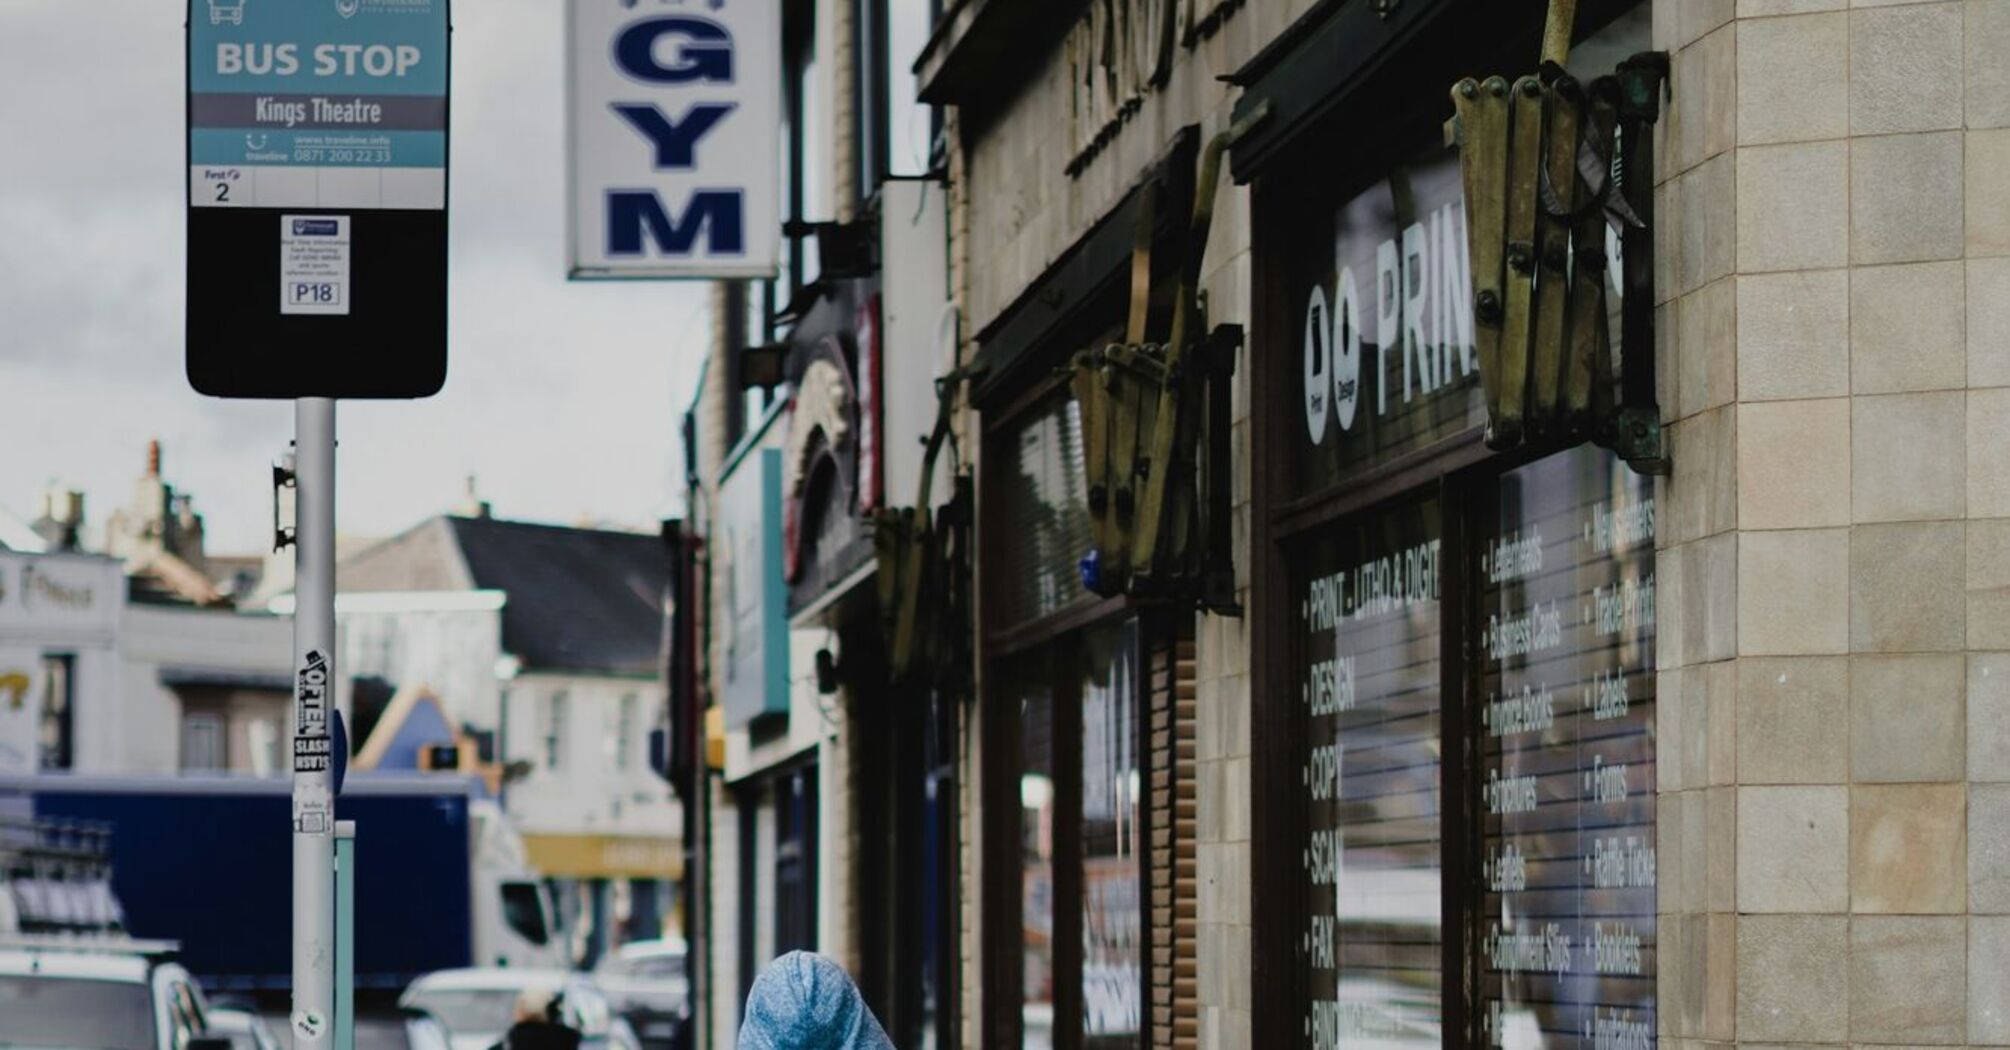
pixel 1834 737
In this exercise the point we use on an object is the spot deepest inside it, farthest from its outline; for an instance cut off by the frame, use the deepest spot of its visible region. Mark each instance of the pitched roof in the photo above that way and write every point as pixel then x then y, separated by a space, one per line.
pixel 579 599
pixel 422 558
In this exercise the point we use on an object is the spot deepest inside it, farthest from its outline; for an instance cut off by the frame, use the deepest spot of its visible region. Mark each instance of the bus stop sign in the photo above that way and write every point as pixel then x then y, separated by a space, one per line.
pixel 317 198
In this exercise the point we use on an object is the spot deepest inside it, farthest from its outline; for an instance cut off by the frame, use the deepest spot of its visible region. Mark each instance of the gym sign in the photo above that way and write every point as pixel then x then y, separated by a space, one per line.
pixel 675 108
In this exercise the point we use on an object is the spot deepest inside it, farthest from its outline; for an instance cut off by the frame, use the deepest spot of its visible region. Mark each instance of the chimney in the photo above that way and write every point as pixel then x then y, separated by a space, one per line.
pixel 62 520
pixel 472 505
pixel 154 458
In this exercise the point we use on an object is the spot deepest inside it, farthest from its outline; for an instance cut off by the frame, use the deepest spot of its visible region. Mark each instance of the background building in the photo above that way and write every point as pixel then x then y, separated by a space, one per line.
pixel 542 646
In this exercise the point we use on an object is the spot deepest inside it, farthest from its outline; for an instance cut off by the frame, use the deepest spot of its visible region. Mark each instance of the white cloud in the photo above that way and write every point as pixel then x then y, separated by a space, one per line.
pixel 563 398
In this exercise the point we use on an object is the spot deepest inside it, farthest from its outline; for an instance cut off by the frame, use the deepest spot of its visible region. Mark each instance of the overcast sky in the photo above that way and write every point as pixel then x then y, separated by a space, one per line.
pixel 562 398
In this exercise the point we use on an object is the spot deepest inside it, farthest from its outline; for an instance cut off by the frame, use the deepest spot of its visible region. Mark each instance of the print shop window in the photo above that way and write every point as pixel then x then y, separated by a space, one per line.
pixel 1454 688
pixel 1530 650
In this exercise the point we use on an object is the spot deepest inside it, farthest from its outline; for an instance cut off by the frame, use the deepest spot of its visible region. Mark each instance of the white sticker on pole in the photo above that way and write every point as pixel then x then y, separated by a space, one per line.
pixel 314 264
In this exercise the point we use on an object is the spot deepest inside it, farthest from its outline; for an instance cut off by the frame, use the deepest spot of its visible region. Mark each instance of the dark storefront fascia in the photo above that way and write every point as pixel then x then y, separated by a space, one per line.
pixel 1453 649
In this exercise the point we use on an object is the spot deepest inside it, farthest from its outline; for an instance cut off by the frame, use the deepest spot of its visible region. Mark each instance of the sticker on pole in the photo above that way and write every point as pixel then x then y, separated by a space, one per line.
pixel 314 264
pixel 311 744
pixel 309 1024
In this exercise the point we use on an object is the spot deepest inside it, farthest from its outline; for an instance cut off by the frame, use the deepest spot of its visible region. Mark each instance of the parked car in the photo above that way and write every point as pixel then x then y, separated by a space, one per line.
pixel 240 1023
pixel 100 994
pixel 478 1004
pixel 646 983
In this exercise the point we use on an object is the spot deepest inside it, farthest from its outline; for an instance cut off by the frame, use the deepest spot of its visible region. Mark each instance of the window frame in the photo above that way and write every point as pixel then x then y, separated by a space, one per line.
pixel 59 705
pixel 211 720
pixel 1057 639
pixel 1061 666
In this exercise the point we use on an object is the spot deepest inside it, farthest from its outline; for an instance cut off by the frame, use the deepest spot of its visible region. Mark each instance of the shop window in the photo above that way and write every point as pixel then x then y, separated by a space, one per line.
pixel 56 736
pixel 1473 745
pixel 1043 525
pixel 1566 689
pixel 1373 843
pixel 1077 762
pixel 1454 685
pixel 202 743
pixel 796 861
pixel 1112 858
pixel 1037 860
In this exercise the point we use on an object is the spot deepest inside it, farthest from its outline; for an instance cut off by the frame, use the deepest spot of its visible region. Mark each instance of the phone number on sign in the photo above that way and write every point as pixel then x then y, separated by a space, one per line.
pixel 319 155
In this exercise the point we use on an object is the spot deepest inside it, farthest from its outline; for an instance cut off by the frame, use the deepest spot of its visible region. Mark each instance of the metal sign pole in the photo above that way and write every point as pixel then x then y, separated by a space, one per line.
pixel 314 652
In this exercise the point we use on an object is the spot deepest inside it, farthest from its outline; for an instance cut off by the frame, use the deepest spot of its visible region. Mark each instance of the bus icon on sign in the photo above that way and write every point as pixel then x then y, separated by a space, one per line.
pixel 221 11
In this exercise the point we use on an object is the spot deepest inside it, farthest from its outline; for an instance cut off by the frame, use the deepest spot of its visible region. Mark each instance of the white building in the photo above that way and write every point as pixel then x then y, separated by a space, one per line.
pixel 543 644
pixel 205 690
pixel 95 682
pixel 59 661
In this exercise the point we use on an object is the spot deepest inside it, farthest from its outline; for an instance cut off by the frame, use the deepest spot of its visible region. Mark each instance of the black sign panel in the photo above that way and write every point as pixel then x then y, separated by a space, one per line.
pixel 317 207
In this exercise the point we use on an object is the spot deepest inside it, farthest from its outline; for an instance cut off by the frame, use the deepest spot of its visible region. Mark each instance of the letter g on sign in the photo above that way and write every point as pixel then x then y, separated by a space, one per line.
pixel 704 53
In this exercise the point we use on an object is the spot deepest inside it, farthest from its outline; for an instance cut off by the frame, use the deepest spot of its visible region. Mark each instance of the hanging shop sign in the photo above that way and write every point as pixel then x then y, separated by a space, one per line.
pixel 317 197
pixel 754 621
pixel 1552 169
pixel 832 466
pixel 674 112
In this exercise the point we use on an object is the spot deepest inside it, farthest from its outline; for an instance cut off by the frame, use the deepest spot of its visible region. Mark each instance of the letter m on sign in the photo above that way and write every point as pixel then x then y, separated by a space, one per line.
pixel 639 217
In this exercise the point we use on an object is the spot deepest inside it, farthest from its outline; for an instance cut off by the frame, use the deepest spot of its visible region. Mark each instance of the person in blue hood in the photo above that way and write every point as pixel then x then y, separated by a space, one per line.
pixel 804 1001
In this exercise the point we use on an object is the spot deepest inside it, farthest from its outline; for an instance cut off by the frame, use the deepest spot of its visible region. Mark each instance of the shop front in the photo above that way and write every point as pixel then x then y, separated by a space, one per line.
pixel 1086 715
pixel 1453 702
pixel 844 770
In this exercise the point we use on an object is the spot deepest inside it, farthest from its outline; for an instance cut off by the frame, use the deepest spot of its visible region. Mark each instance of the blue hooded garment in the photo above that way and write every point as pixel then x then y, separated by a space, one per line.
pixel 804 1001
